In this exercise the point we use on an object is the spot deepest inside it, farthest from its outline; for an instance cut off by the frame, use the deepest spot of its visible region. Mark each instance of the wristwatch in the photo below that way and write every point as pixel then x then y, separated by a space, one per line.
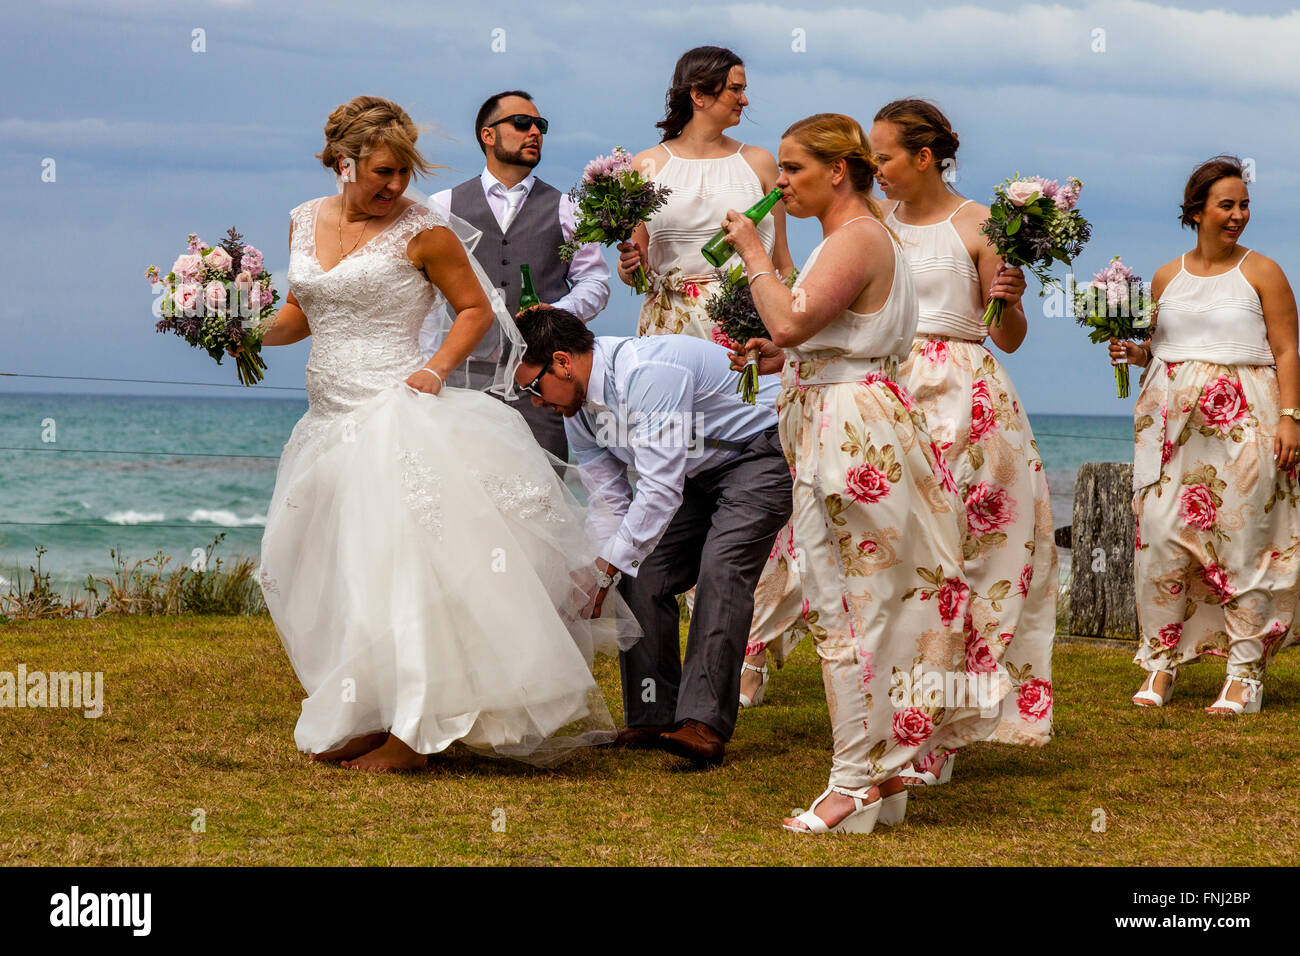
pixel 604 580
pixel 1292 413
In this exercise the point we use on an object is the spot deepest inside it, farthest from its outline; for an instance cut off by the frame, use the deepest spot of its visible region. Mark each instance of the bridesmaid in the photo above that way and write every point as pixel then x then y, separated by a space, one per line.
pixel 709 172
pixel 1214 468
pixel 975 416
pixel 874 504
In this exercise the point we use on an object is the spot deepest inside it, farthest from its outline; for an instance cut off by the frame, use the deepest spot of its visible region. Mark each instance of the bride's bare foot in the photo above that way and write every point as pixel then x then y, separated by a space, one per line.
pixel 834 808
pixel 391 755
pixel 353 748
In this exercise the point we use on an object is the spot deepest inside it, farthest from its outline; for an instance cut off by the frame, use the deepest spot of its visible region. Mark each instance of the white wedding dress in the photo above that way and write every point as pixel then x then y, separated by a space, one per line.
pixel 418 548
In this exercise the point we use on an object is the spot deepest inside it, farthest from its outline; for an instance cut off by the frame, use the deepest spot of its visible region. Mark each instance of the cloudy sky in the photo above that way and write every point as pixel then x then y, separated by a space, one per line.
pixel 151 138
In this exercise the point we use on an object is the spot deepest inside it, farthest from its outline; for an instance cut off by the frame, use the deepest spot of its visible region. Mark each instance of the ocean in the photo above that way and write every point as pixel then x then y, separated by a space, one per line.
pixel 83 474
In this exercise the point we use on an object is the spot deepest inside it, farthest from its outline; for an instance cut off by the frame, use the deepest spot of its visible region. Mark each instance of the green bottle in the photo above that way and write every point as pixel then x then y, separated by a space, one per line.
pixel 717 251
pixel 527 294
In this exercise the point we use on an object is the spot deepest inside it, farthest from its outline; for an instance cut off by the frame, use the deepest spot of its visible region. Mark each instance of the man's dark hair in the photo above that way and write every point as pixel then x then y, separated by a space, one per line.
pixel 487 109
pixel 548 330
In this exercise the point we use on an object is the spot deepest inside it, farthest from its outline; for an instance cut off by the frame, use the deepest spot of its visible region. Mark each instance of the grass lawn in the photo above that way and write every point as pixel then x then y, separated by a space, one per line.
pixel 200 714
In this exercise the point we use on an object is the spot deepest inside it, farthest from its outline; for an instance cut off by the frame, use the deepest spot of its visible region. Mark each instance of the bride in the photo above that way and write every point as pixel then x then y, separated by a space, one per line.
pixel 420 554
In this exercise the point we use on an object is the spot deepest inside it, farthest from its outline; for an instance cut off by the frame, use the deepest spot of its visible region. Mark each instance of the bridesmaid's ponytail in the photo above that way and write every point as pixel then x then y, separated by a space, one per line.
pixel 704 68
pixel 832 136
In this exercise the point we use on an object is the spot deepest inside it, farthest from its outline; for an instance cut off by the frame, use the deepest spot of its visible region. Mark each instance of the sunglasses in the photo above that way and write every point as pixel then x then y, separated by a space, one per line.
pixel 523 122
pixel 533 387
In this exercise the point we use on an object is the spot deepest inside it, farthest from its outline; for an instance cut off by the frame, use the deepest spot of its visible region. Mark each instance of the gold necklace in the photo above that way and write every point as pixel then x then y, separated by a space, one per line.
pixel 364 226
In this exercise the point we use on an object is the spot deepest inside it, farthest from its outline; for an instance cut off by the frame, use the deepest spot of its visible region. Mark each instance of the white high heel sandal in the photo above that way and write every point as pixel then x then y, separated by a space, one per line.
pixel 1253 698
pixel 1147 692
pixel 762 685
pixel 892 809
pixel 861 820
pixel 925 778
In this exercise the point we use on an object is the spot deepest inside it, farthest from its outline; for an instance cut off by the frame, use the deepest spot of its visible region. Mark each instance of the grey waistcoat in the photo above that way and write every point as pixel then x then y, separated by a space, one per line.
pixel 535 238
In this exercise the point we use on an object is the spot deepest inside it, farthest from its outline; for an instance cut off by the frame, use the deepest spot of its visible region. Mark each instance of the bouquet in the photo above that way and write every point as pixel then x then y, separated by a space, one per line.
pixel 732 309
pixel 1116 304
pixel 218 298
pixel 612 200
pixel 1032 223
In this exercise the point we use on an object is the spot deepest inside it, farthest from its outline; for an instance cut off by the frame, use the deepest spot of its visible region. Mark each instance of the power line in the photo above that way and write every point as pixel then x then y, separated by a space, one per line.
pixel 151 381
pixel 119 527
pixel 1039 434
pixel 115 451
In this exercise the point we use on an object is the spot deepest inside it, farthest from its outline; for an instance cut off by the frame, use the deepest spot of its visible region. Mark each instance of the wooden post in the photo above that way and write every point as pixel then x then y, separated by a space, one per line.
pixel 1102 596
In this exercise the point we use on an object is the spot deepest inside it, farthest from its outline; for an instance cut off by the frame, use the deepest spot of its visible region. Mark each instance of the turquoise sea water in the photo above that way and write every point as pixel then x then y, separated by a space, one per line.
pixel 149 474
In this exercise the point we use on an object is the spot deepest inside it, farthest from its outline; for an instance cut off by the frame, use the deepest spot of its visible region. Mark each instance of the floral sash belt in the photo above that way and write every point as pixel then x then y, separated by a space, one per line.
pixel 801 372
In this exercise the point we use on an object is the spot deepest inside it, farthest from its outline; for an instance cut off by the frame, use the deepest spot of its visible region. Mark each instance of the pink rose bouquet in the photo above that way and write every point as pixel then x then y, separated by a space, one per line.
pixel 1116 304
pixel 218 298
pixel 1033 223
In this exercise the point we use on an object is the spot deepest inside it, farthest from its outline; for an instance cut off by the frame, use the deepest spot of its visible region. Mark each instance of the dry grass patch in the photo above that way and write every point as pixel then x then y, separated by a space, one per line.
pixel 200 714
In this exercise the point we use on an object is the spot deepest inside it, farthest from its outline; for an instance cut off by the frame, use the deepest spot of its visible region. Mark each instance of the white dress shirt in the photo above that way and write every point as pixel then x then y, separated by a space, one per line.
pixel 587 272
pixel 668 397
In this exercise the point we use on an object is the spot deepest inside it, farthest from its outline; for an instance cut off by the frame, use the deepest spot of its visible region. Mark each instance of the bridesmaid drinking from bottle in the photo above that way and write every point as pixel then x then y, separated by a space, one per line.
pixel 1214 468
pixel 875 507
pixel 975 416
pixel 709 173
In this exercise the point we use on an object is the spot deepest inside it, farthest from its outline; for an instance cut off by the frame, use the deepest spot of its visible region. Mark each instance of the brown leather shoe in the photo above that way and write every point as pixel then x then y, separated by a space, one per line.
pixel 696 741
pixel 642 738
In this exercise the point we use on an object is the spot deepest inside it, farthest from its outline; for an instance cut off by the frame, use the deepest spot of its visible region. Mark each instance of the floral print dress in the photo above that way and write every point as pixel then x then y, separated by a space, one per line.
pixel 975 416
pixel 877 512
pixel 1216 568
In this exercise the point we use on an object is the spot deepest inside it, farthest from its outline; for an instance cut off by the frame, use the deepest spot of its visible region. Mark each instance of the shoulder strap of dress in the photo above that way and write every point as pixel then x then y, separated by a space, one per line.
pixel 872 218
pixel 1245 257
pixel 738 149
pixel 959 209
pixel 304 220
pixel 668 151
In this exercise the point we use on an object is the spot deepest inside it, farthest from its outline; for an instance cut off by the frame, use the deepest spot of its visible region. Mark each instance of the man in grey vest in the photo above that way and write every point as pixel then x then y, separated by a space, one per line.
pixel 524 221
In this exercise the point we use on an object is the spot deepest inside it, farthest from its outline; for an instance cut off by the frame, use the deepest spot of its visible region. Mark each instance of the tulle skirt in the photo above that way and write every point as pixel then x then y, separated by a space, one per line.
pixel 419 562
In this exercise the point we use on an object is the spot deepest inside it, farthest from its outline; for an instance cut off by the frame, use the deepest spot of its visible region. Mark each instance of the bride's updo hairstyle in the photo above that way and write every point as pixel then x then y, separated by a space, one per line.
pixel 354 129
pixel 832 136
pixel 704 68
pixel 921 125
pixel 1197 190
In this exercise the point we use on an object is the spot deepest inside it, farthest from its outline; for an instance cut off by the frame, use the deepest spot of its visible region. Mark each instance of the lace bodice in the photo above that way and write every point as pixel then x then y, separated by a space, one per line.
pixel 365 313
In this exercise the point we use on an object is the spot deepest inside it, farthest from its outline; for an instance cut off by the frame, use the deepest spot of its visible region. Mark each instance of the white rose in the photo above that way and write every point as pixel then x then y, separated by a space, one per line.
pixel 1022 191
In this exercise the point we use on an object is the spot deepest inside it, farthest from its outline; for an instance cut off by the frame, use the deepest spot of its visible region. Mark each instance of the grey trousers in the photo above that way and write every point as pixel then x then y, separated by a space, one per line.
pixel 718 541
